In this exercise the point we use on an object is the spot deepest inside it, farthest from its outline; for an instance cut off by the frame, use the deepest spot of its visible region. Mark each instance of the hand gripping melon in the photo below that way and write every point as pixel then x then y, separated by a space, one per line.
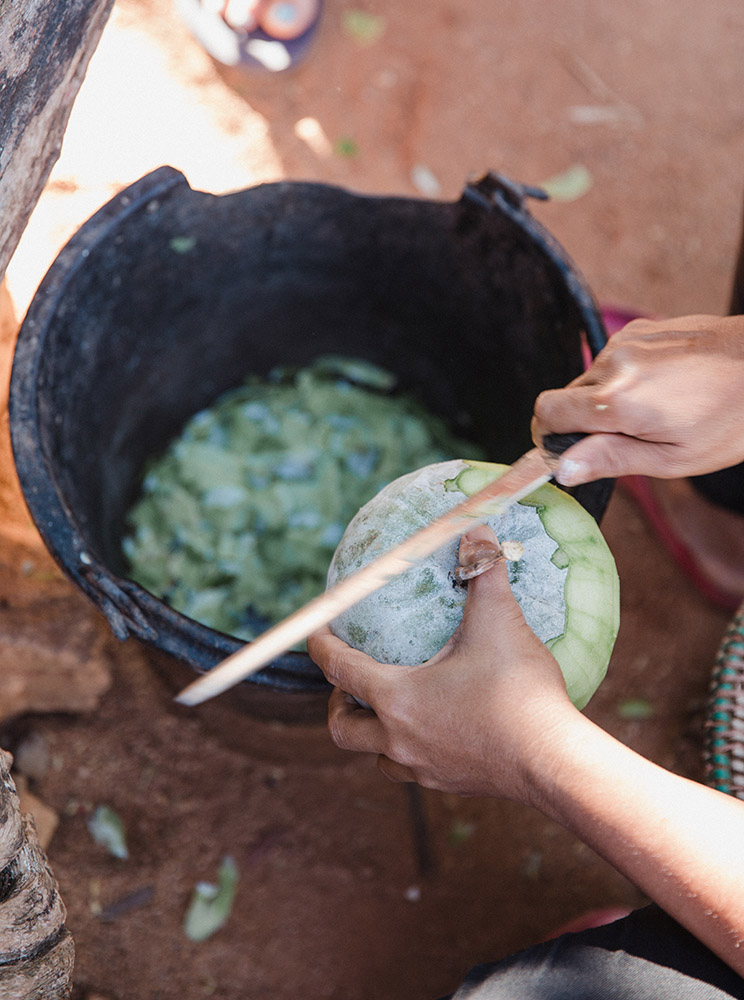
pixel 566 582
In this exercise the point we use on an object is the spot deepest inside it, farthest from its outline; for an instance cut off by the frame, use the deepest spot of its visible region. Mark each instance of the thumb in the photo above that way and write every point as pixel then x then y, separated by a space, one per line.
pixel 601 456
pixel 490 602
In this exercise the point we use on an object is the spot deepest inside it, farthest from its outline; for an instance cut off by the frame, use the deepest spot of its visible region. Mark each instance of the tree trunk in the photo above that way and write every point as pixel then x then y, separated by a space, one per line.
pixel 36 949
pixel 45 47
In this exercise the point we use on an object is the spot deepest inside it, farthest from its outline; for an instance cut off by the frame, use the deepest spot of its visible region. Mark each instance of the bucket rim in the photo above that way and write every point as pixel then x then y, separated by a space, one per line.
pixel 129 608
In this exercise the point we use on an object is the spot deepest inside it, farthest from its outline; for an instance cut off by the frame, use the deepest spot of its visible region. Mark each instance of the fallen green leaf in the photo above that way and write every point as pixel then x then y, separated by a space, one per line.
pixel 461 831
pixel 107 829
pixel 346 146
pixel 425 180
pixel 570 184
pixel 182 244
pixel 635 708
pixel 532 865
pixel 211 904
pixel 363 27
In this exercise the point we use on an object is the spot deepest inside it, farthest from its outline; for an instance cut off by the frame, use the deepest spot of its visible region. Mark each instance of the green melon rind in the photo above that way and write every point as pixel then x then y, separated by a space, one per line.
pixel 591 581
pixel 590 590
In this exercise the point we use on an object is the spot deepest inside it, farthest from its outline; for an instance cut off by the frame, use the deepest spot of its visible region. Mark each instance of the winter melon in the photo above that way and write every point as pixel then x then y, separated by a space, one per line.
pixel 566 581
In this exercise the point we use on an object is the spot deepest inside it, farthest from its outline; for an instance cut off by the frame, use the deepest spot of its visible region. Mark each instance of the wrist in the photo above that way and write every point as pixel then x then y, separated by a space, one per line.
pixel 555 759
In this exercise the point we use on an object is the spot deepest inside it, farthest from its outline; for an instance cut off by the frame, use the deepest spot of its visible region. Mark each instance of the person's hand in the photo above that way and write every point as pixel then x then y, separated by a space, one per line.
pixel 475 719
pixel 662 399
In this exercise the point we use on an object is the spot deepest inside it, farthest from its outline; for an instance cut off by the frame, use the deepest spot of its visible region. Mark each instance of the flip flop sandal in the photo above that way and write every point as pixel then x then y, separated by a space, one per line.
pixel 723 753
pixel 272 45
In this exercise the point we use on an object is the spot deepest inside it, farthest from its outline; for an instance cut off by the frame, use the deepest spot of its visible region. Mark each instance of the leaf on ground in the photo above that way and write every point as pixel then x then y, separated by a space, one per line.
pixel 460 831
pixel 211 904
pixel 363 27
pixel 425 181
pixel 346 147
pixel 182 244
pixel 107 829
pixel 635 709
pixel 570 184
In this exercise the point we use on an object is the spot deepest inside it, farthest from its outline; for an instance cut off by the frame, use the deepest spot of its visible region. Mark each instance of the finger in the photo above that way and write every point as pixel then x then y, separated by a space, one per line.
pixel 393 770
pixel 491 587
pixel 345 667
pixel 492 616
pixel 473 541
pixel 587 408
pixel 352 727
pixel 490 603
pixel 603 456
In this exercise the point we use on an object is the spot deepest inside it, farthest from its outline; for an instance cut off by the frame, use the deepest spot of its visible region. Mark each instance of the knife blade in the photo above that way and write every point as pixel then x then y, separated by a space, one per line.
pixel 528 473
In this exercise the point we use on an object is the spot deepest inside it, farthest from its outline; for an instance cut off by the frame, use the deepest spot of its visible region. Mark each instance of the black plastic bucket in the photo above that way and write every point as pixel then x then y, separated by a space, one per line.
pixel 167 296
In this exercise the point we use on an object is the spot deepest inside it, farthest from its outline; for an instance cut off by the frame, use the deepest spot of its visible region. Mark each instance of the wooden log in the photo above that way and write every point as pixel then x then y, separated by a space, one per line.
pixel 45 47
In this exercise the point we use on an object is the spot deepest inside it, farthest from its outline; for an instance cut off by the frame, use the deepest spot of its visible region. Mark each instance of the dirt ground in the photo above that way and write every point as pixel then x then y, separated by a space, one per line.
pixel 351 887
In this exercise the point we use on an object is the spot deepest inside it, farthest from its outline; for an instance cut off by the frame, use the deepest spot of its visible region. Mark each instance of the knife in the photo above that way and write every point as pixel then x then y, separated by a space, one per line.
pixel 529 472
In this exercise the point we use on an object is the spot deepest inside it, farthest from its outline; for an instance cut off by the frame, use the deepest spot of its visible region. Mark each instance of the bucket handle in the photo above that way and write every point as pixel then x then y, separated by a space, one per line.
pixel 493 188
pixel 492 192
pixel 123 614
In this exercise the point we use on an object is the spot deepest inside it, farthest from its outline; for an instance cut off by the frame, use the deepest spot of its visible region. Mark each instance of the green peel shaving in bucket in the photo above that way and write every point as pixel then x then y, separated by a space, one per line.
pixel 238 520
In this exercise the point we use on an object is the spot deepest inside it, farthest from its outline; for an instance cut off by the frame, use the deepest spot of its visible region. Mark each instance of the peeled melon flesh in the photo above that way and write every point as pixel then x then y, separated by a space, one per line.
pixel 566 581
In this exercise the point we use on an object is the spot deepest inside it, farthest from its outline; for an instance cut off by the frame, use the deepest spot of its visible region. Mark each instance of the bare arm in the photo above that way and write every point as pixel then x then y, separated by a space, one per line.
pixel 677 840
pixel 489 715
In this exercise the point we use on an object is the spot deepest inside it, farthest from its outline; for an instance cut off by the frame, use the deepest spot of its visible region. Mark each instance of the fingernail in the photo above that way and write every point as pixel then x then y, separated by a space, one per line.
pixel 466 551
pixel 571 473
